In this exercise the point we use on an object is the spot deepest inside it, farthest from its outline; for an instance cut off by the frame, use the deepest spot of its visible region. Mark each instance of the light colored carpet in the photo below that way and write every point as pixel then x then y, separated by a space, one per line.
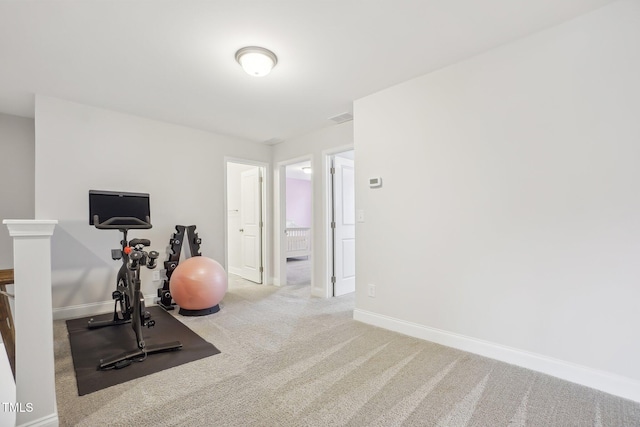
pixel 298 271
pixel 289 359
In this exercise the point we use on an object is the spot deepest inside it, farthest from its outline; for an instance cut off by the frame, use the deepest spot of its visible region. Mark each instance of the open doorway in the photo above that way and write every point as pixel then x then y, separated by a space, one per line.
pixel 246 220
pixel 298 217
pixel 342 238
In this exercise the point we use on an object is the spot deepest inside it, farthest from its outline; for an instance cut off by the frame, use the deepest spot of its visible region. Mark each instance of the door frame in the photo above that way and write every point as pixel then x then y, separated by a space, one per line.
pixel 280 222
pixel 266 218
pixel 327 232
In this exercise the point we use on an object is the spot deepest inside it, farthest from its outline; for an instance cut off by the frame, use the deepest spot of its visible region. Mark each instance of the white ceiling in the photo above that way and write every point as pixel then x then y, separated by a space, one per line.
pixel 295 171
pixel 173 60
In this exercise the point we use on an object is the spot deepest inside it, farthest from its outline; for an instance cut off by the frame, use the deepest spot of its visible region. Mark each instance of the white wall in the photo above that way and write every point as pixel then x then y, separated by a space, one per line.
pixel 8 389
pixel 508 222
pixel 312 145
pixel 79 148
pixel 17 165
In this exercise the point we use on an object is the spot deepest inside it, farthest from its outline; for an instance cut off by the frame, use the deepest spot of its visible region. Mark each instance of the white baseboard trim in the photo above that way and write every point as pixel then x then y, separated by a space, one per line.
pixel 235 270
pixel 600 380
pixel 315 292
pixel 46 421
pixel 84 310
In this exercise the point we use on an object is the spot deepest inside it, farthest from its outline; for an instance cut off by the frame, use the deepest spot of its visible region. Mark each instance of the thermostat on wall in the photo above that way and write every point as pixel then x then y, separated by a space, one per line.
pixel 375 182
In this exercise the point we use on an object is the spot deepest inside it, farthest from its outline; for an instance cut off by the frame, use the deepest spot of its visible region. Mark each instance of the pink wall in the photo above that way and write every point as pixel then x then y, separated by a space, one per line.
pixel 299 202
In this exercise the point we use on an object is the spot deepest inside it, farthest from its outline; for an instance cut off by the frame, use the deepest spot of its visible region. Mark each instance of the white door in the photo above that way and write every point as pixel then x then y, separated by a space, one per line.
pixel 344 226
pixel 251 224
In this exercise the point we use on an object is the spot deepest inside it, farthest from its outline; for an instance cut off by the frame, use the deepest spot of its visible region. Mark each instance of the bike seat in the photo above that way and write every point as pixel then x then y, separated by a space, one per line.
pixel 143 242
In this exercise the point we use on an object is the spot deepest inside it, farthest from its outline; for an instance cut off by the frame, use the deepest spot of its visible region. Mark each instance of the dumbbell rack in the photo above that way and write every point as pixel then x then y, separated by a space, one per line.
pixel 176 241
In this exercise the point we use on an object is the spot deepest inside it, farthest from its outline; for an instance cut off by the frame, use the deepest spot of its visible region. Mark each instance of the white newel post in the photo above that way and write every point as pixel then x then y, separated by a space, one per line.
pixel 35 370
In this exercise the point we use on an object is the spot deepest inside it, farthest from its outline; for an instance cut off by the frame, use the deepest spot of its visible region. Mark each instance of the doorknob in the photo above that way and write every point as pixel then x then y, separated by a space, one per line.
pixel 242 230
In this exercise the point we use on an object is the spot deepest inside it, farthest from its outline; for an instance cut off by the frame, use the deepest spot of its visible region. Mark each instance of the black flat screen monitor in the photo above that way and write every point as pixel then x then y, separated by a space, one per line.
pixel 110 204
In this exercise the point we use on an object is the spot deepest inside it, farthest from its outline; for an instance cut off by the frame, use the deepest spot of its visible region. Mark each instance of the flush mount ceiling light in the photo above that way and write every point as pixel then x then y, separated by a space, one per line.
pixel 306 169
pixel 256 61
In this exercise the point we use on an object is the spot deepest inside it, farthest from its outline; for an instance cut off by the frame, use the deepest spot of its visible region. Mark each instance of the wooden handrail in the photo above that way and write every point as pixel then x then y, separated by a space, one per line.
pixel 6 277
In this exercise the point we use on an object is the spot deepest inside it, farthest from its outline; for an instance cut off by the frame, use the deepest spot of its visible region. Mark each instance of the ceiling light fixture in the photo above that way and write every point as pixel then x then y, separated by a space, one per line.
pixel 256 61
pixel 306 169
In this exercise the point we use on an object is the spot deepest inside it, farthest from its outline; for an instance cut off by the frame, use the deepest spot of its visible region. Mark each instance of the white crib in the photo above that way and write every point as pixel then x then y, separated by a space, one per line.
pixel 298 242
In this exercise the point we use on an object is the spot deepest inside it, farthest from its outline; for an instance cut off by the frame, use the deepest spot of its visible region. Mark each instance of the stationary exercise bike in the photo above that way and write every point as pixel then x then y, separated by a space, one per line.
pixel 129 303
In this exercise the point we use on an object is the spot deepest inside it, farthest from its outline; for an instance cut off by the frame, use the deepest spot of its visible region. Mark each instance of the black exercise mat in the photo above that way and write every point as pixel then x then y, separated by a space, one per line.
pixel 88 346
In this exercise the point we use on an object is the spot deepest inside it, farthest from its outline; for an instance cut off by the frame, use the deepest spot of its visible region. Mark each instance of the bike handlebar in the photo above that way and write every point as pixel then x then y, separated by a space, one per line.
pixel 130 223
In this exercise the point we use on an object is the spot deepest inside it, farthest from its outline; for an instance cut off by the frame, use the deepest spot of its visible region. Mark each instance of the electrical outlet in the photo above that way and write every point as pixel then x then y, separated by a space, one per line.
pixel 372 291
pixel 156 276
